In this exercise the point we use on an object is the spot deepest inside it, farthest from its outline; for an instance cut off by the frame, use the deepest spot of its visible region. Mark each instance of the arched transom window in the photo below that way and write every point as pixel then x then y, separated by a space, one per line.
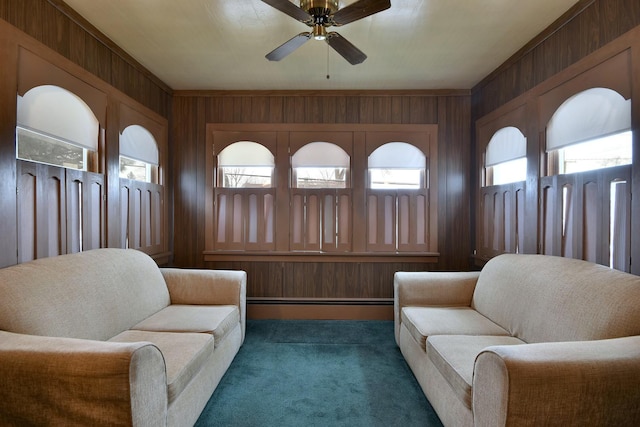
pixel 55 127
pixel 320 165
pixel 245 164
pixel 591 130
pixel 397 165
pixel 138 154
pixel 506 157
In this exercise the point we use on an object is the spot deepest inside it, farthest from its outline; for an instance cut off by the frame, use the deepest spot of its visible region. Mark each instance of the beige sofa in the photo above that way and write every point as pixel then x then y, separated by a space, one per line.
pixel 530 340
pixel 105 337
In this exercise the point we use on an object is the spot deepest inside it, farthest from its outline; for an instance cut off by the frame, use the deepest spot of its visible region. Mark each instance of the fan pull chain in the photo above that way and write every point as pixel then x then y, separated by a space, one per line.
pixel 328 76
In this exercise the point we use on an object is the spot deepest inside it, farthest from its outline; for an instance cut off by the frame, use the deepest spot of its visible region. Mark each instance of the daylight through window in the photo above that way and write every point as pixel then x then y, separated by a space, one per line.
pixel 245 164
pixel 55 127
pixel 589 131
pixel 320 165
pixel 138 154
pixel 506 157
pixel 397 165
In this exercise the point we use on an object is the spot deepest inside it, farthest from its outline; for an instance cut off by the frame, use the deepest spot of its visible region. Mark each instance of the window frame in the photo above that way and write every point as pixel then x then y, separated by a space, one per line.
pixel 295 173
pixel 143 211
pixel 284 139
pixel 554 155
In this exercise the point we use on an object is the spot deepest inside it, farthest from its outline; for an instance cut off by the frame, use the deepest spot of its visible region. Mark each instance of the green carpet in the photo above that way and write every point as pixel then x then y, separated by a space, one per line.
pixel 318 373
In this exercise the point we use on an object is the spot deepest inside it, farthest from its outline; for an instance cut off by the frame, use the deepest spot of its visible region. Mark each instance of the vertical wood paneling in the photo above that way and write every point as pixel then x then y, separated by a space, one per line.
pixel 77 44
pixel 97 60
pixel 635 171
pixel 329 109
pixel 382 109
pixel 294 111
pixel 598 24
pixel 26 223
pixel 49 22
pixel 56 31
pixel 454 120
pixel 197 188
pixel 326 279
pixel 546 61
pixel 313 109
pixel 396 109
pixel 366 109
pixel 41 205
pixel 276 109
pixel 263 279
pixel 185 151
pixel 352 110
pixel 8 184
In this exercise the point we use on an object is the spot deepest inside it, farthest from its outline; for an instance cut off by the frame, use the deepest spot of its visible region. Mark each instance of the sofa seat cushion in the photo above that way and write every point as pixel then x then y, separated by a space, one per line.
pixel 454 356
pixel 423 322
pixel 217 320
pixel 184 354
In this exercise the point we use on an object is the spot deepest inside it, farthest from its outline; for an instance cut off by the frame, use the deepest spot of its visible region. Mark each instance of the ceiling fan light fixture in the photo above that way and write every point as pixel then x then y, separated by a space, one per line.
pixel 319 32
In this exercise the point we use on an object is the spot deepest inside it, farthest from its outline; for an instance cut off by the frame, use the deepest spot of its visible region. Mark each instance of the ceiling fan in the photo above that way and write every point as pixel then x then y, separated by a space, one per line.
pixel 321 14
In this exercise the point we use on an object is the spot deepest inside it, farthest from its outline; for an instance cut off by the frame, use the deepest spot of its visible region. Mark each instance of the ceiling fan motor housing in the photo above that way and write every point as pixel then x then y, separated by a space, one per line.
pixel 320 10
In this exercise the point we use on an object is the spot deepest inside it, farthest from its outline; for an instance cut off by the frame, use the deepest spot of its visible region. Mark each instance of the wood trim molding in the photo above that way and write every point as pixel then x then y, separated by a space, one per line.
pixel 354 310
pixel 420 258
pixel 321 127
pixel 422 136
pixel 318 93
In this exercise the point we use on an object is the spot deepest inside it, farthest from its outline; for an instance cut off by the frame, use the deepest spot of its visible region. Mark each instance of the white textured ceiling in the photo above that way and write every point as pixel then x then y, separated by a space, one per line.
pixel 416 44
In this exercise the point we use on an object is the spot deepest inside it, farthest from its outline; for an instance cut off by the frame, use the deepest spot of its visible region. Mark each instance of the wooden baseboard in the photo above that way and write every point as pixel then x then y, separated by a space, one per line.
pixel 319 311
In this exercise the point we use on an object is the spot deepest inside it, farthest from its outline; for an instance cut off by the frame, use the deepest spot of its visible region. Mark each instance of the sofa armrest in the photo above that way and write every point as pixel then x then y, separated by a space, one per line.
pixel 565 383
pixel 67 381
pixel 208 287
pixel 425 288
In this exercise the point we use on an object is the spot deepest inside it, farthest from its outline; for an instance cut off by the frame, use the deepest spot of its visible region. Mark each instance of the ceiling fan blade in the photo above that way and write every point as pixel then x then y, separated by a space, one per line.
pixel 345 48
pixel 290 9
pixel 287 47
pixel 358 10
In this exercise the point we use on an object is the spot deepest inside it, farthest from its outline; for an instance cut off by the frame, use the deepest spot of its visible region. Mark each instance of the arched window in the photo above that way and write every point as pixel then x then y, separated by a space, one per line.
pixel 591 130
pixel 397 165
pixel 245 164
pixel 139 157
pixel 320 165
pixel 506 157
pixel 586 136
pixel 55 127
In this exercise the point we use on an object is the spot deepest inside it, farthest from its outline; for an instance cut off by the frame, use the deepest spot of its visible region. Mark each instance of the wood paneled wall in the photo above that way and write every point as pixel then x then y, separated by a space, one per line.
pixel 584 29
pixel 52 30
pixel 584 37
pixel 588 26
pixel 451 112
pixel 57 26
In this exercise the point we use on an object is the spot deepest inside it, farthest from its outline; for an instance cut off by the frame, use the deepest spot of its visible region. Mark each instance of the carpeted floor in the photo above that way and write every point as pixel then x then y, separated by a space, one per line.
pixel 318 373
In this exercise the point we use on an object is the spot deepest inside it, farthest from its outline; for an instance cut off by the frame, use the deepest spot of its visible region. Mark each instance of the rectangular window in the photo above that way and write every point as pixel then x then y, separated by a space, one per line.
pixel 507 172
pixel 396 178
pixel 320 177
pixel 246 177
pixel 135 169
pixel 38 147
pixel 612 150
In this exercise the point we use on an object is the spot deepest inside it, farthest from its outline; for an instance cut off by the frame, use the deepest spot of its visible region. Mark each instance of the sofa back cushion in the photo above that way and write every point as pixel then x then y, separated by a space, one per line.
pixel 540 298
pixel 94 295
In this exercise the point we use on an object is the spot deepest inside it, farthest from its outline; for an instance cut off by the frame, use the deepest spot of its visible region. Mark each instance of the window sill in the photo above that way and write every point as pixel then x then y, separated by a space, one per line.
pixel 410 257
